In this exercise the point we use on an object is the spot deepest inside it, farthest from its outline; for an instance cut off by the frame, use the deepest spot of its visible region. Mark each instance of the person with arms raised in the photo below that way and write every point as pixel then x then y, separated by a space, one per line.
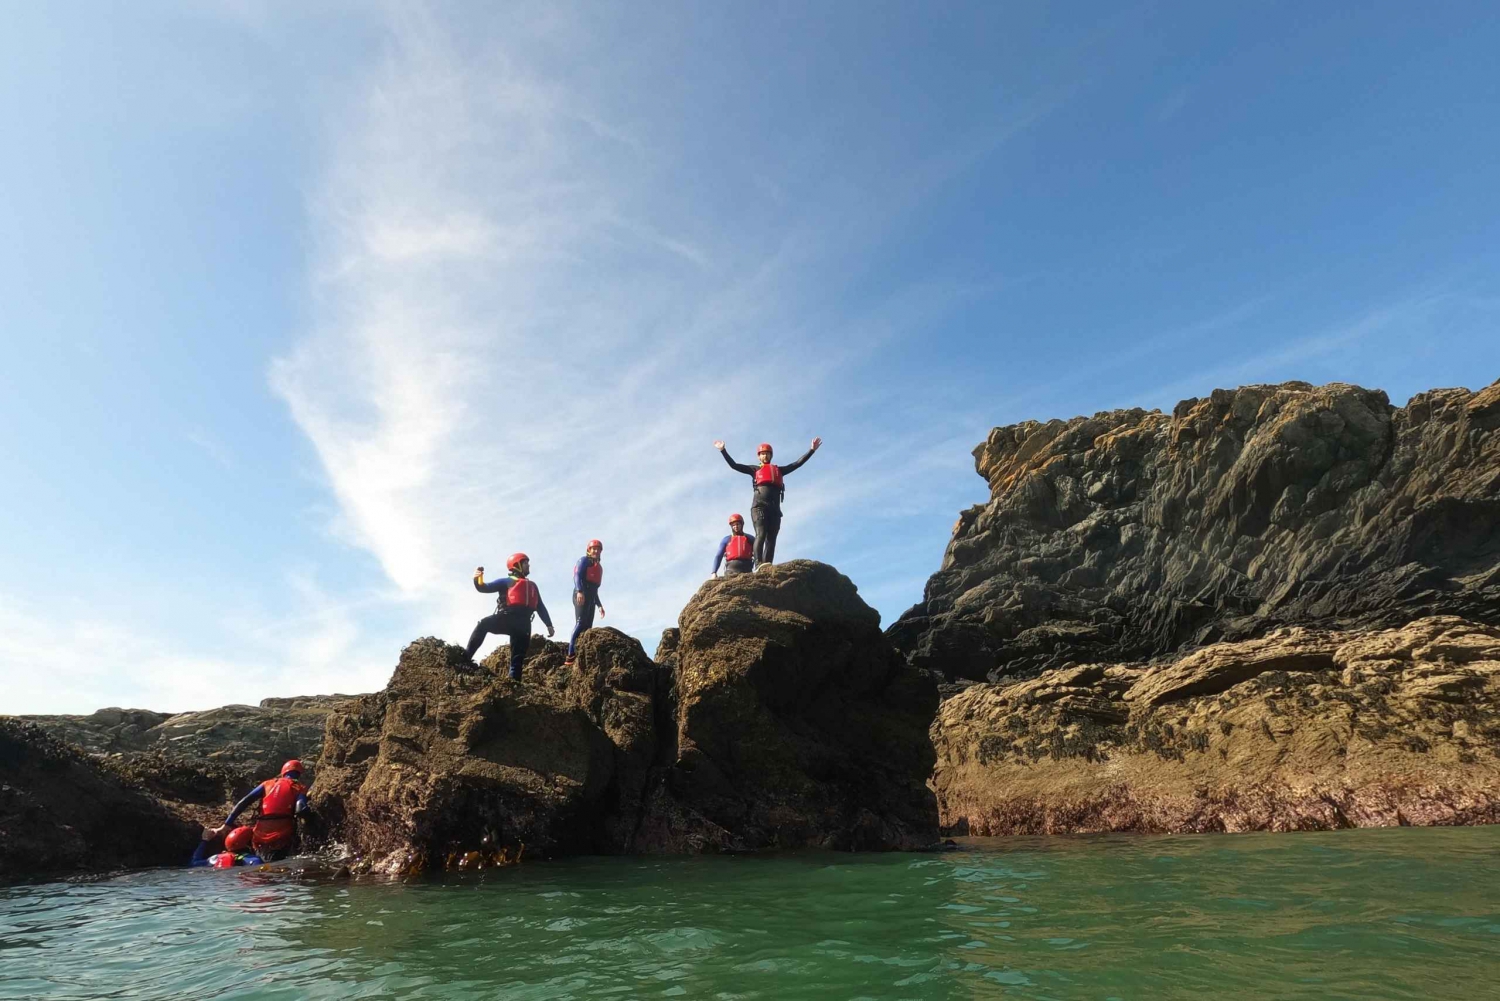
pixel 519 600
pixel 765 508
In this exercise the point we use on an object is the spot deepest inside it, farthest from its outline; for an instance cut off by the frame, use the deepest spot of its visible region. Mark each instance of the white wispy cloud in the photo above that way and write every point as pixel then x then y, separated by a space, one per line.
pixel 528 336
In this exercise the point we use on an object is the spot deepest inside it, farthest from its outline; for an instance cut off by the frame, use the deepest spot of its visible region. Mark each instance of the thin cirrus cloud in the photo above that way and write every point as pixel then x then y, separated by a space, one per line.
pixel 525 339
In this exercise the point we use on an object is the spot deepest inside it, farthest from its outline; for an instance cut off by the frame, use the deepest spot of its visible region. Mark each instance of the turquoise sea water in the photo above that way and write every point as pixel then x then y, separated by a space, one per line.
pixel 1403 913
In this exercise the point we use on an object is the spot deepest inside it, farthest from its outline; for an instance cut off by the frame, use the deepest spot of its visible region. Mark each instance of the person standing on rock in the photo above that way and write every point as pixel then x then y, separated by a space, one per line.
pixel 519 600
pixel 736 551
pixel 282 800
pixel 588 574
pixel 765 509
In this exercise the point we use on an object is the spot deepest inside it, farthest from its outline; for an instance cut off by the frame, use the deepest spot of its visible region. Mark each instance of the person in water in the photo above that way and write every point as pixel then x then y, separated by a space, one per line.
pixel 765 509
pixel 736 551
pixel 273 833
pixel 218 850
pixel 588 574
pixel 519 600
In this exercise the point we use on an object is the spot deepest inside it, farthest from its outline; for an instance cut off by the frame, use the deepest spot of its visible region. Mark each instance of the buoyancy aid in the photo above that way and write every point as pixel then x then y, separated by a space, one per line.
pixel 769 473
pixel 738 547
pixel 594 573
pixel 276 824
pixel 523 594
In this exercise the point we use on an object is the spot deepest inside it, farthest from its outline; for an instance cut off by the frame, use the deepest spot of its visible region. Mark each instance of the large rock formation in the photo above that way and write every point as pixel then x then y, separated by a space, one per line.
pixel 1131 535
pixel 199 762
pixel 1301 729
pixel 61 812
pixel 782 718
pixel 796 722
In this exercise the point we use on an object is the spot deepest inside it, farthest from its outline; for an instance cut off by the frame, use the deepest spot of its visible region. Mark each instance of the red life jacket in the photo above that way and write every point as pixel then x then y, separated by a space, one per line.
pixel 523 594
pixel 738 547
pixel 594 573
pixel 769 473
pixel 276 825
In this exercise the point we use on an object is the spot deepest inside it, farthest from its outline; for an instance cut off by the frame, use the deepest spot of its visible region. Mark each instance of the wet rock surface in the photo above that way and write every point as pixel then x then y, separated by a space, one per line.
pixel 1301 729
pixel 1133 535
pixel 61 812
pixel 780 718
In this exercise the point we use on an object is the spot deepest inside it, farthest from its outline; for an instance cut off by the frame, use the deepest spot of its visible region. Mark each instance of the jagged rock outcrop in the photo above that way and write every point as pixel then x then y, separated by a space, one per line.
pixel 198 762
pixel 61 812
pixel 1300 729
pixel 796 722
pixel 782 718
pixel 1131 535
pixel 449 765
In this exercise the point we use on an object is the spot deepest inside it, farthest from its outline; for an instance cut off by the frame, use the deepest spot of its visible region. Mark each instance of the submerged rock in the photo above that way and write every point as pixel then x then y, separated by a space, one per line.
pixel 1132 535
pixel 784 718
pixel 1302 729
pixel 61 812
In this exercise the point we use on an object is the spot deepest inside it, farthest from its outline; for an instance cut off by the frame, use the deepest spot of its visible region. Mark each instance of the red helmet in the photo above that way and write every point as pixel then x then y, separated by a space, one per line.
pixel 291 766
pixel 223 860
pixel 736 518
pixel 515 560
pixel 764 447
pixel 594 544
pixel 239 840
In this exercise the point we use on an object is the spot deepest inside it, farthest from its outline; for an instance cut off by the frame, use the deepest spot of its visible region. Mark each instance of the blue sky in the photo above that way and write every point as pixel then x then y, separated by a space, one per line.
pixel 304 315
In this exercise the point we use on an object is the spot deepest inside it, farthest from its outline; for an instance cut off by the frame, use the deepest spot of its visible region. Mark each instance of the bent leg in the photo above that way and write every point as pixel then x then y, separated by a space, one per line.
pixel 488 624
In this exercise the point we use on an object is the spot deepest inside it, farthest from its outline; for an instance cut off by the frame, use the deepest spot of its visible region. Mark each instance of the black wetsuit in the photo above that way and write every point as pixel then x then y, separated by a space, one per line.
pixel 514 623
pixel 765 509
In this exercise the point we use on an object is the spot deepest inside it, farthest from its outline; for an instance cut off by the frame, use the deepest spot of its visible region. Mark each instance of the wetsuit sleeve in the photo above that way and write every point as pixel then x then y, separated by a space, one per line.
pixel 493 586
pixel 578 573
pixel 793 467
pixel 719 556
pixel 202 852
pixel 738 467
pixel 302 805
pixel 250 797
pixel 541 609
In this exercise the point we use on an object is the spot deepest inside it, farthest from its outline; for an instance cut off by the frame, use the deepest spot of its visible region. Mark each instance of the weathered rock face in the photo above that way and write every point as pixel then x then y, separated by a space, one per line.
pixel 198 762
pixel 61 812
pixel 1131 535
pixel 1301 729
pixel 447 765
pixel 783 719
pixel 797 723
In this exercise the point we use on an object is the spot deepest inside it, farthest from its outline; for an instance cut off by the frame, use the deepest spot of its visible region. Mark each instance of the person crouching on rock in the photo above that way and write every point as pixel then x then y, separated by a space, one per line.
pixel 737 551
pixel 588 574
pixel 273 833
pixel 765 509
pixel 235 848
pixel 519 600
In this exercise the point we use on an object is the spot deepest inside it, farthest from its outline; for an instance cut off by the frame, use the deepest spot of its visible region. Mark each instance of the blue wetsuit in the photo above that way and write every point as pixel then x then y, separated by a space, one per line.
pixel 733 566
pixel 585 600
pixel 514 623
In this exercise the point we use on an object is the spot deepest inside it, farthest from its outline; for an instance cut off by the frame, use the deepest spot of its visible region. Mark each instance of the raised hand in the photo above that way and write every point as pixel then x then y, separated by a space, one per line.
pixel 479 571
pixel 719 445
pixel 817 443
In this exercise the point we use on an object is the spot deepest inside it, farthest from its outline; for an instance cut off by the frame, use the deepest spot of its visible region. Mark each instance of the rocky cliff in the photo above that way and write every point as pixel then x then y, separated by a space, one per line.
pixel 1274 609
pixel 1131 535
pixel 61 812
pixel 777 715
pixel 1302 729
pixel 199 762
